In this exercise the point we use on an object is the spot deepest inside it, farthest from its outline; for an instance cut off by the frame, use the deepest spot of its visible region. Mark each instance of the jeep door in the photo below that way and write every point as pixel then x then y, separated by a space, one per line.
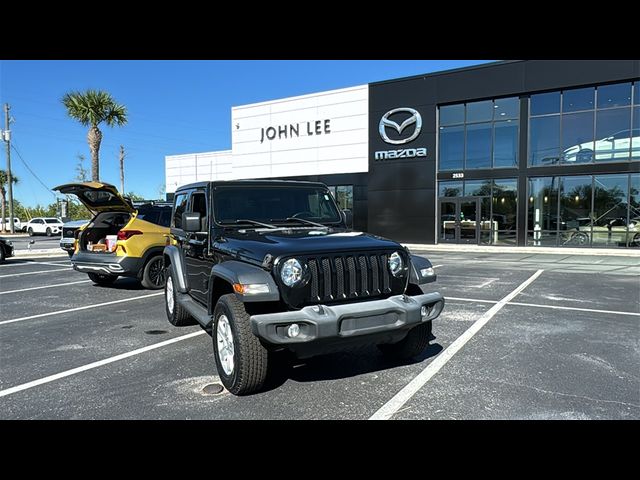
pixel 194 245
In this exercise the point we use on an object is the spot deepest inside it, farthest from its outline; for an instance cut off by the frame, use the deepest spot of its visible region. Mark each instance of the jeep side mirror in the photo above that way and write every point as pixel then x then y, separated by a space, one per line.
pixel 347 216
pixel 191 222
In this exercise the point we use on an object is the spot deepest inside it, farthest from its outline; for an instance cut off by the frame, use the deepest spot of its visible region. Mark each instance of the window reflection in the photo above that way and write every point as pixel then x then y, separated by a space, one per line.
pixel 479 111
pixel 614 95
pixel 577 137
pixel 450 189
pixel 578 99
pixel 545 103
pixel 451 147
pixel 544 140
pixel 613 137
pixel 505 144
pixel 478 146
pixel 452 114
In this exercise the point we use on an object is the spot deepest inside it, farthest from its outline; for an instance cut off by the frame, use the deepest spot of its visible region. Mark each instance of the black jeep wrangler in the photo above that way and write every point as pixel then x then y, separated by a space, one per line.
pixel 271 265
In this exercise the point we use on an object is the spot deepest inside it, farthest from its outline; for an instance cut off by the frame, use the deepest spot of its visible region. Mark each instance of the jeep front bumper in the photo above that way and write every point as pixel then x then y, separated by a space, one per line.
pixel 391 318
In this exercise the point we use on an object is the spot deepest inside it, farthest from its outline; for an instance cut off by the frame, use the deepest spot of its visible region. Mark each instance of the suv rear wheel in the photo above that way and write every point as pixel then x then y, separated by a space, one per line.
pixel 153 275
pixel 176 314
pixel 48 232
pixel 240 357
pixel 30 231
pixel 102 279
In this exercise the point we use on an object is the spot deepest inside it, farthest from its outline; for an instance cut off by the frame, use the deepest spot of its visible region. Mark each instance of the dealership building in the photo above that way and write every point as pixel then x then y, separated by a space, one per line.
pixel 521 153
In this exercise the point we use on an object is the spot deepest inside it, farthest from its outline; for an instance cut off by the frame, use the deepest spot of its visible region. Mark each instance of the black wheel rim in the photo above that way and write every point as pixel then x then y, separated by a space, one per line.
pixel 156 272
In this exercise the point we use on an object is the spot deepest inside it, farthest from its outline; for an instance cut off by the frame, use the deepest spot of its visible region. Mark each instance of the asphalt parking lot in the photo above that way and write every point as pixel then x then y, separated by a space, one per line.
pixel 549 338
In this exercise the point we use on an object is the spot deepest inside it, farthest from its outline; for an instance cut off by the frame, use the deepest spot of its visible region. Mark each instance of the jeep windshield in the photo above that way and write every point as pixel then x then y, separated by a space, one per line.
pixel 274 205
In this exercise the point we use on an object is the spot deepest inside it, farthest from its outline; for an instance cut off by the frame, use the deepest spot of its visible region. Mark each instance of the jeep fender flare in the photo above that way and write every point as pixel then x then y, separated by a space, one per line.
pixel 172 257
pixel 417 264
pixel 234 272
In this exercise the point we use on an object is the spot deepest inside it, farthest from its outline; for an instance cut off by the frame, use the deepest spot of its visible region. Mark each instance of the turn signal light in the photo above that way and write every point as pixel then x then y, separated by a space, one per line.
pixel 127 234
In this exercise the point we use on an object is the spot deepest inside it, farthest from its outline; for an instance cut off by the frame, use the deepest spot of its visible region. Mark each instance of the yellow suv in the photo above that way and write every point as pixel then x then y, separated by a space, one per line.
pixel 122 239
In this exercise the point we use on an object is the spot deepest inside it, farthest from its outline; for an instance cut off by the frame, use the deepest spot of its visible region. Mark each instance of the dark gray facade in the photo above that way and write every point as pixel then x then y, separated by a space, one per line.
pixel 402 192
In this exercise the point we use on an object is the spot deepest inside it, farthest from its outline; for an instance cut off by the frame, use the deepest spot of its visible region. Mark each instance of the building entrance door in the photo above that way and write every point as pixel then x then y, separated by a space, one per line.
pixel 459 220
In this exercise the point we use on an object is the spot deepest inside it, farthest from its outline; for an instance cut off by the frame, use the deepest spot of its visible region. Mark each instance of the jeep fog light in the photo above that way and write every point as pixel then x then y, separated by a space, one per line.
pixel 293 330
pixel 251 288
pixel 424 311
pixel 427 272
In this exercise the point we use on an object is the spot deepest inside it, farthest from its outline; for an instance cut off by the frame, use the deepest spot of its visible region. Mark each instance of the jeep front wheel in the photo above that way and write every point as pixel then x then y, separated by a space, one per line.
pixel 410 346
pixel 176 314
pixel 241 359
pixel 102 279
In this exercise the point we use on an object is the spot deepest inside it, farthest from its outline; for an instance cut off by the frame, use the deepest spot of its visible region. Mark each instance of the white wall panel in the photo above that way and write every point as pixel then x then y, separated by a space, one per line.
pixel 343 150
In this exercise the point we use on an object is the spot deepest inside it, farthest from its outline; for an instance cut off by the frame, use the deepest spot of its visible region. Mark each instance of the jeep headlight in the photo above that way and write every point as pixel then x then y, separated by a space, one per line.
pixel 291 272
pixel 395 264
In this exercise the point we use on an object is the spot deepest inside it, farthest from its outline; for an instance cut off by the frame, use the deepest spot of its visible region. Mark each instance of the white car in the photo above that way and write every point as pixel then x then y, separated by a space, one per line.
pixel 44 225
pixel 613 147
pixel 17 224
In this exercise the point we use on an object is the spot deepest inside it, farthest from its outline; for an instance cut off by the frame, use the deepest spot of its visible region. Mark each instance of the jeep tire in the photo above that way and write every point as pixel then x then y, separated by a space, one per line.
pixel 153 273
pixel 176 313
pixel 102 279
pixel 241 359
pixel 410 346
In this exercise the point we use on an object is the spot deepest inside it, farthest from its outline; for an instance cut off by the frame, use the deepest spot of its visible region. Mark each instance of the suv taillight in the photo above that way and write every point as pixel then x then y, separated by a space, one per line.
pixel 127 234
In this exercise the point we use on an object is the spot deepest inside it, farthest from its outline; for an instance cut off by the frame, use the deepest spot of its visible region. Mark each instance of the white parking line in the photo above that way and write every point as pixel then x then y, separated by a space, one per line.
pixel 471 300
pixel 58 312
pixel 615 312
pixel 33 273
pixel 21 264
pixel 403 396
pixel 46 286
pixel 106 361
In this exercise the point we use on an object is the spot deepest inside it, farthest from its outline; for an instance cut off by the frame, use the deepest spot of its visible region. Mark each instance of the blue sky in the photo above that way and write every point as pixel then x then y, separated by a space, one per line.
pixel 174 107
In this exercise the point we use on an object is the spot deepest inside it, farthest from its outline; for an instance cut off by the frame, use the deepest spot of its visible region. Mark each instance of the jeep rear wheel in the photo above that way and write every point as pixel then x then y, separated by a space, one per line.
pixel 153 275
pixel 176 314
pixel 241 359
pixel 102 279
pixel 410 346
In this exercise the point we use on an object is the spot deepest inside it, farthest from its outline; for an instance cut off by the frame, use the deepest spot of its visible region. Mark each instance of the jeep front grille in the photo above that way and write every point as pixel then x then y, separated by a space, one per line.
pixel 334 278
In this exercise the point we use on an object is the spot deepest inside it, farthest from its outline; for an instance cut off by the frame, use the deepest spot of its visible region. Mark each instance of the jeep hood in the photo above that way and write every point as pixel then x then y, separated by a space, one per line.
pixel 97 197
pixel 253 246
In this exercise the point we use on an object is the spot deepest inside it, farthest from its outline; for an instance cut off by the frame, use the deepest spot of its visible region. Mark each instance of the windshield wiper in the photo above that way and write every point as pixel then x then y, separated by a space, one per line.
pixel 295 219
pixel 255 222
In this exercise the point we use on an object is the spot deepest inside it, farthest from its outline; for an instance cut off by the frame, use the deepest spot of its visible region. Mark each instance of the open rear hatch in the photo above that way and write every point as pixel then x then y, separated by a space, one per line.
pixel 97 197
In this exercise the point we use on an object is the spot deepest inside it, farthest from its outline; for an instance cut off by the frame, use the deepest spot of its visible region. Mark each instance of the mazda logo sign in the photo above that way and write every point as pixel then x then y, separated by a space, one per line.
pixel 385 123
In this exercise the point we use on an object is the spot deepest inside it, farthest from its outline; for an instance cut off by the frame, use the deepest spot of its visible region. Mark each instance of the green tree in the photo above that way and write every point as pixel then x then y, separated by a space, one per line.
pixel 4 182
pixel 134 196
pixel 91 108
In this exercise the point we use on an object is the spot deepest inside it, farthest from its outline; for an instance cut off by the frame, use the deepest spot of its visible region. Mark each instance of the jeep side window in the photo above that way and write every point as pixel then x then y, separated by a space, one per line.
pixel 180 205
pixel 199 205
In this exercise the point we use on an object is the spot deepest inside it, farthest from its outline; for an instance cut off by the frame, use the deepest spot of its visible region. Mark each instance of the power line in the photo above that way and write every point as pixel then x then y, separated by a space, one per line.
pixel 31 171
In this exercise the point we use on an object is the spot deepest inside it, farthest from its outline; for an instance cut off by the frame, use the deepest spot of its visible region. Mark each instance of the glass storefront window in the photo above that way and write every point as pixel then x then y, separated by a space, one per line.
pixel 486 136
pixel 610 207
pixel 612 134
pixel 636 93
pixel 617 95
pixel 505 144
pixel 478 146
pixel 545 103
pixel 542 212
pixel 344 196
pixel 634 209
pixel 635 133
pixel 578 99
pixel 575 209
pixel 505 206
pixel 451 148
pixel 477 188
pixel 450 189
pixel 506 108
pixel 577 137
pixel 480 111
pixel 452 114
pixel 544 140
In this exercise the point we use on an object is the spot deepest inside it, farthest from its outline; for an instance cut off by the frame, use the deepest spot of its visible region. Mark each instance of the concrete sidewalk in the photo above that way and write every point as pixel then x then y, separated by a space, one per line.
pixel 446 247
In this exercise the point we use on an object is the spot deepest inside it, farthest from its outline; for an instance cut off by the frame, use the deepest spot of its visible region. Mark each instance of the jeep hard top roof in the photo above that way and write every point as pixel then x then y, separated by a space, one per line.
pixel 249 183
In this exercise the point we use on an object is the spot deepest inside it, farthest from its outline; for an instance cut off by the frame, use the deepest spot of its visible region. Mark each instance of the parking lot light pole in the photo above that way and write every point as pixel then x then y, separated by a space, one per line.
pixel 6 135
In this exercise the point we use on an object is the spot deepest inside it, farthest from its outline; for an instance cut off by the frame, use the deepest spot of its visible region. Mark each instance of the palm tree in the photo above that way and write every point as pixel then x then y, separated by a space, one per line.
pixel 4 180
pixel 92 108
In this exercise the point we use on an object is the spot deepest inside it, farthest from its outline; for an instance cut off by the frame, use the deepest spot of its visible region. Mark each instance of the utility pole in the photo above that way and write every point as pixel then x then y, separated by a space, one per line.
pixel 121 170
pixel 7 139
